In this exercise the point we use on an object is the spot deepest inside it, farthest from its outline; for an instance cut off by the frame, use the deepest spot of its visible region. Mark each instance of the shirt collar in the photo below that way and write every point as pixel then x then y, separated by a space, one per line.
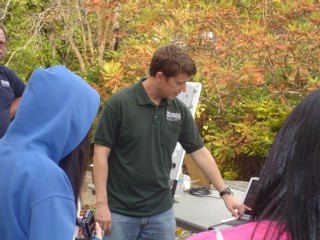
pixel 142 96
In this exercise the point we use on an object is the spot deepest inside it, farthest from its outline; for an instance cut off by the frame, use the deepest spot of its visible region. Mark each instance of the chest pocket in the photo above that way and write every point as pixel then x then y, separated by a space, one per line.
pixel 170 136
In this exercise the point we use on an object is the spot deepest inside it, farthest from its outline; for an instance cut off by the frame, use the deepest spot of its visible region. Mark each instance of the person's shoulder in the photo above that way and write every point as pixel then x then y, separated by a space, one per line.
pixel 180 103
pixel 205 235
pixel 12 75
pixel 123 93
pixel 181 106
pixel 6 69
pixel 259 229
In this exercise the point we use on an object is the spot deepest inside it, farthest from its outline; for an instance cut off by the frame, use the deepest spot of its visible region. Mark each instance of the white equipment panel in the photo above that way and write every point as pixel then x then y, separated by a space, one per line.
pixel 190 98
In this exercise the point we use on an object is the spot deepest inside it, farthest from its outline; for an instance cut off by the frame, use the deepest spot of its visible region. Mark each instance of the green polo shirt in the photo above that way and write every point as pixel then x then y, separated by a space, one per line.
pixel 142 137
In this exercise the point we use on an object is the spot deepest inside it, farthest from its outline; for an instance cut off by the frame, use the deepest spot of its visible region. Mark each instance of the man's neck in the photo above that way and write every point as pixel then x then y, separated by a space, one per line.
pixel 150 86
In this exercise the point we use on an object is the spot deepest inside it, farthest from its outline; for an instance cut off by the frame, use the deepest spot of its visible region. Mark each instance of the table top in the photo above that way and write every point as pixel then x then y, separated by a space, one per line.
pixel 199 213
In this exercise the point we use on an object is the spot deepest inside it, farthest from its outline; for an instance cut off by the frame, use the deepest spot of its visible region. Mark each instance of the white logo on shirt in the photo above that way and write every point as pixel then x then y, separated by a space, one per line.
pixel 174 117
pixel 5 83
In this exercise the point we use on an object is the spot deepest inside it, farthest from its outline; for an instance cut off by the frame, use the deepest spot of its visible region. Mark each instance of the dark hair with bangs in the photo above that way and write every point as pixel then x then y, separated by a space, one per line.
pixel 289 191
pixel 74 165
pixel 171 60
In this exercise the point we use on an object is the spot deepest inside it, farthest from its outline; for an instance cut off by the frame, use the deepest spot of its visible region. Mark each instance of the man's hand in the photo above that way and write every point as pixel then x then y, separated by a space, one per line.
pixel 236 208
pixel 103 216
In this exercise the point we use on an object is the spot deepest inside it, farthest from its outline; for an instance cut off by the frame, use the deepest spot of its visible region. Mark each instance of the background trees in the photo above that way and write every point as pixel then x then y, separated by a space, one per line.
pixel 256 59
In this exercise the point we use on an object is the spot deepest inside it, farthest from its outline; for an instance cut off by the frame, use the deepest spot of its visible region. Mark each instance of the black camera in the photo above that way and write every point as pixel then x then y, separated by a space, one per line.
pixel 88 223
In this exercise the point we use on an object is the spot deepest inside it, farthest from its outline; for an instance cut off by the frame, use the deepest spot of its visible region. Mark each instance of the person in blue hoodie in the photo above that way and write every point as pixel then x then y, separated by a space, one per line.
pixel 55 114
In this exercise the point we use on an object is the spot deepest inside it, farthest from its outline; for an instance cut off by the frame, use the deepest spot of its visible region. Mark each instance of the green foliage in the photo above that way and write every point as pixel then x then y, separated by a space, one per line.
pixel 255 59
pixel 255 69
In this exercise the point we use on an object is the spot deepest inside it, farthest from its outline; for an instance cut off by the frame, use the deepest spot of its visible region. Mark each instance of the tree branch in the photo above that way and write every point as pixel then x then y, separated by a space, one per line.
pixel 5 11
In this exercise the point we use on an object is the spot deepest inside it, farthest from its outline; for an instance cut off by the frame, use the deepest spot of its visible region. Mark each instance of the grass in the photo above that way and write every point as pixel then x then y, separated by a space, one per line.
pixel 182 234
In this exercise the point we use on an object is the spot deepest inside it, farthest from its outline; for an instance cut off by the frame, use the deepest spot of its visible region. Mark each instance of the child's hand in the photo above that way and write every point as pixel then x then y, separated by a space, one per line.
pixel 98 231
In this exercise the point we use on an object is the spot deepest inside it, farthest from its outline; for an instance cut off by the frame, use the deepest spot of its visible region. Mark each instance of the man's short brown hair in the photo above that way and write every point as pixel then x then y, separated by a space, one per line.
pixel 172 60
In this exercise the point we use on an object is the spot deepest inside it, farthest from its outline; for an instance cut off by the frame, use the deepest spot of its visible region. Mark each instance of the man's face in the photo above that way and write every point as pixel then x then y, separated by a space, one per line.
pixel 175 85
pixel 3 45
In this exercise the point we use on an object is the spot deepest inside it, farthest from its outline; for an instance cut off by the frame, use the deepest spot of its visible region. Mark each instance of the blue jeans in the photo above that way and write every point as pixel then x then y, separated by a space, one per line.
pixel 157 227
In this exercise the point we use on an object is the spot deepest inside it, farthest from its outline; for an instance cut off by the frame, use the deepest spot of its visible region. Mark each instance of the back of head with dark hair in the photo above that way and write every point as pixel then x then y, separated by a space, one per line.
pixel 171 60
pixel 290 181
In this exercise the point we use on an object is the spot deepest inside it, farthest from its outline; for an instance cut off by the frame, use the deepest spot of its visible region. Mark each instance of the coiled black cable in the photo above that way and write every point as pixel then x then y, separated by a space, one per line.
pixel 201 192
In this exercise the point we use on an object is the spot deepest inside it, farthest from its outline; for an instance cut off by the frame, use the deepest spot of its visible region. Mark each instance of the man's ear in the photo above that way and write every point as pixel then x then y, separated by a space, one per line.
pixel 159 76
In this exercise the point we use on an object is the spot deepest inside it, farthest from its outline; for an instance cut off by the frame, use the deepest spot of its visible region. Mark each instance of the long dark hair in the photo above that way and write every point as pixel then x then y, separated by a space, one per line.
pixel 74 165
pixel 289 191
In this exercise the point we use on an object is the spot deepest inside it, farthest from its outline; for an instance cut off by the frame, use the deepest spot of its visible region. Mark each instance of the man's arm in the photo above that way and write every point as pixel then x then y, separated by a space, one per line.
pixel 100 176
pixel 208 166
pixel 14 106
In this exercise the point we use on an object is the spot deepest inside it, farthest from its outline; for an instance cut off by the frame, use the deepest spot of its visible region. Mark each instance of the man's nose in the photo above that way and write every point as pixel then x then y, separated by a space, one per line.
pixel 183 88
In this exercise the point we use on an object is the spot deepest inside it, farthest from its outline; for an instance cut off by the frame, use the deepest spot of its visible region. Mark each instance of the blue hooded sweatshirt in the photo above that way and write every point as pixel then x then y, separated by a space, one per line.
pixel 55 114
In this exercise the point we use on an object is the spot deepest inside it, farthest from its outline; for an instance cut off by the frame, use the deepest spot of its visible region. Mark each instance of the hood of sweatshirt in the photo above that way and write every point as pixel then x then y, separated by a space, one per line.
pixel 55 113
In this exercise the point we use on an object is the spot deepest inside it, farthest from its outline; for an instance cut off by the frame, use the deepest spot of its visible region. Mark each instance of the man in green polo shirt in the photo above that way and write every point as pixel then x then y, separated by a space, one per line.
pixel 136 135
